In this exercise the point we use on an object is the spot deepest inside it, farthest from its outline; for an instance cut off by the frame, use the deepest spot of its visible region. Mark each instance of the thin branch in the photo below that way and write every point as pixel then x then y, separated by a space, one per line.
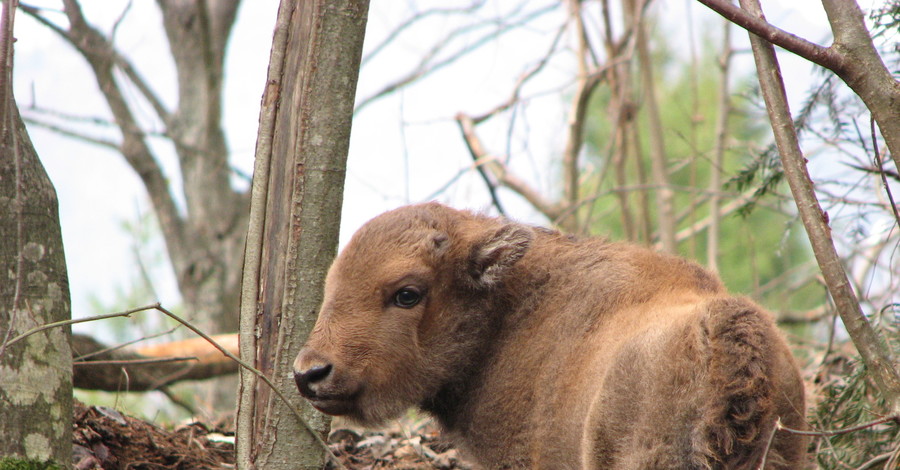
pixel 721 131
pixel 476 150
pixel 73 134
pixel 76 321
pixel 658 155
pixel 425 67
pixel 118 22
pixel 586 84
pixel 775 428
pixel 415 19
pixel 501 172
pixel 522 80
pixel 882 173
pixel 117 347
pixel 706 223
pixel 837 432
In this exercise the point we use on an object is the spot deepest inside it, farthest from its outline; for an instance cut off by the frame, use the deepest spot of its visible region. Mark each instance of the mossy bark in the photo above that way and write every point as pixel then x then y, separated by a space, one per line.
pixel 36 373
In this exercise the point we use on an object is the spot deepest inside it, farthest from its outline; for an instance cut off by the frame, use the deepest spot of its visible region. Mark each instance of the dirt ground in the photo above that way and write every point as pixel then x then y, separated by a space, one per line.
pixel 105 439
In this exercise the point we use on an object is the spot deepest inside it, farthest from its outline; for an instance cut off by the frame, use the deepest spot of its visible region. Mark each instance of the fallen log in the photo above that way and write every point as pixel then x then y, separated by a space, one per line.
pixel 142 369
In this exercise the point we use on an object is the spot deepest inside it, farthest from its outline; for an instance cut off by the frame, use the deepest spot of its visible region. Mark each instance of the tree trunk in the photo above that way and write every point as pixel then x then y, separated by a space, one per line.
pixel 295 216
pixel 36 373
pixel 209 271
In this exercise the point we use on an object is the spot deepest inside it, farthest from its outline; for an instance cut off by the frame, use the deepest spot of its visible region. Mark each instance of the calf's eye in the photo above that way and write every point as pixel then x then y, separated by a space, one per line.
pixel 407 297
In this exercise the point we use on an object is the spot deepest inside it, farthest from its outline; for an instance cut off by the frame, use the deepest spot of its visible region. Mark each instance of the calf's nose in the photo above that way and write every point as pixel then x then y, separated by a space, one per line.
pixel 307 379
pixel 310 371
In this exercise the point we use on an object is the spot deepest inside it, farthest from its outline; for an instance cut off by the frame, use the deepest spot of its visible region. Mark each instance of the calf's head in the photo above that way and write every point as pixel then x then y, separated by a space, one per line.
pixel 406 307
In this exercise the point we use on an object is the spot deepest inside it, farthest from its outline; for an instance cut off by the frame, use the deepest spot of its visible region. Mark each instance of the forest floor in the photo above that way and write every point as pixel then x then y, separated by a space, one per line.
pixel 106 439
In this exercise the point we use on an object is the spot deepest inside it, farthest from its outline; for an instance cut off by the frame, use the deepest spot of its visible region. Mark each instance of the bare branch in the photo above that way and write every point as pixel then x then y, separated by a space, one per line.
pixel 658 160
pixel 586 84
pixel 479 155
pixel 883 174
pixel 522 80
pixel 852 57
pixel 74 134
pixel 415 19
pixel 425 66
pixel 721 132
pixel 502 174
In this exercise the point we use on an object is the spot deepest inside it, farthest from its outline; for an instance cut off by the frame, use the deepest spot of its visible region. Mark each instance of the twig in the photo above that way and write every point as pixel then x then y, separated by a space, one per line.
pixel 522 80
pixel 100 142
pixel 78 320
pixel 721 132
pixel 178 401
pixel 128 362
pixel 406 24
pixel 827 433
pixel 837 432
pixel 425 68
pixel 478 154
pixel 881 172
pixel 765 457
pixel 118 22
pixel 262 376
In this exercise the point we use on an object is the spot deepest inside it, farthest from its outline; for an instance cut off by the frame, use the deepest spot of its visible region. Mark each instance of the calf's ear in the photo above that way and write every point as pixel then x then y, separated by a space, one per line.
pixel 492 257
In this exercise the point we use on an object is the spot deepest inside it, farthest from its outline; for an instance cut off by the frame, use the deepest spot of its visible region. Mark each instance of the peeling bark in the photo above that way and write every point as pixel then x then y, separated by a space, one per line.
pixel 295 218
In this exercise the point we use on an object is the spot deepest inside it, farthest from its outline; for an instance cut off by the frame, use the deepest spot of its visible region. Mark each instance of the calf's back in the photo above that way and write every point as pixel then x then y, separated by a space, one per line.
pixel 538 350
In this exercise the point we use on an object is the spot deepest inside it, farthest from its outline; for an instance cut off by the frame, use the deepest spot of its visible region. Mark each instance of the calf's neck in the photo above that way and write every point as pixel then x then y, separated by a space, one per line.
pixel 534 349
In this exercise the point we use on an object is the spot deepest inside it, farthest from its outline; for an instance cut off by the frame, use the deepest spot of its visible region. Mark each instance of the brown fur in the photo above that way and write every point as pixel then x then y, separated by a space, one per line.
pixel 538 350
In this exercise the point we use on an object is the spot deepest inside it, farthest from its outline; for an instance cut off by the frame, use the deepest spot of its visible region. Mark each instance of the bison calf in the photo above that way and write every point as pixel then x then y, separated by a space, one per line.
pixel 534 349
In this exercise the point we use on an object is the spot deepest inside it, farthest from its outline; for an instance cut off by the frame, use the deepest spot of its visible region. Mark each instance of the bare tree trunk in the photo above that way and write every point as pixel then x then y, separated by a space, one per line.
pixel 665 197
pixel 209 272
pixel 871 346
pixel 295 212
pixel 36 373
pixel 715 179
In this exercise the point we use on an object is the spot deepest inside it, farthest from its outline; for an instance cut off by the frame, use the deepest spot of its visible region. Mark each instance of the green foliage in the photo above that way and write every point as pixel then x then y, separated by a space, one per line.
pixel 10 463
pixel 762 245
